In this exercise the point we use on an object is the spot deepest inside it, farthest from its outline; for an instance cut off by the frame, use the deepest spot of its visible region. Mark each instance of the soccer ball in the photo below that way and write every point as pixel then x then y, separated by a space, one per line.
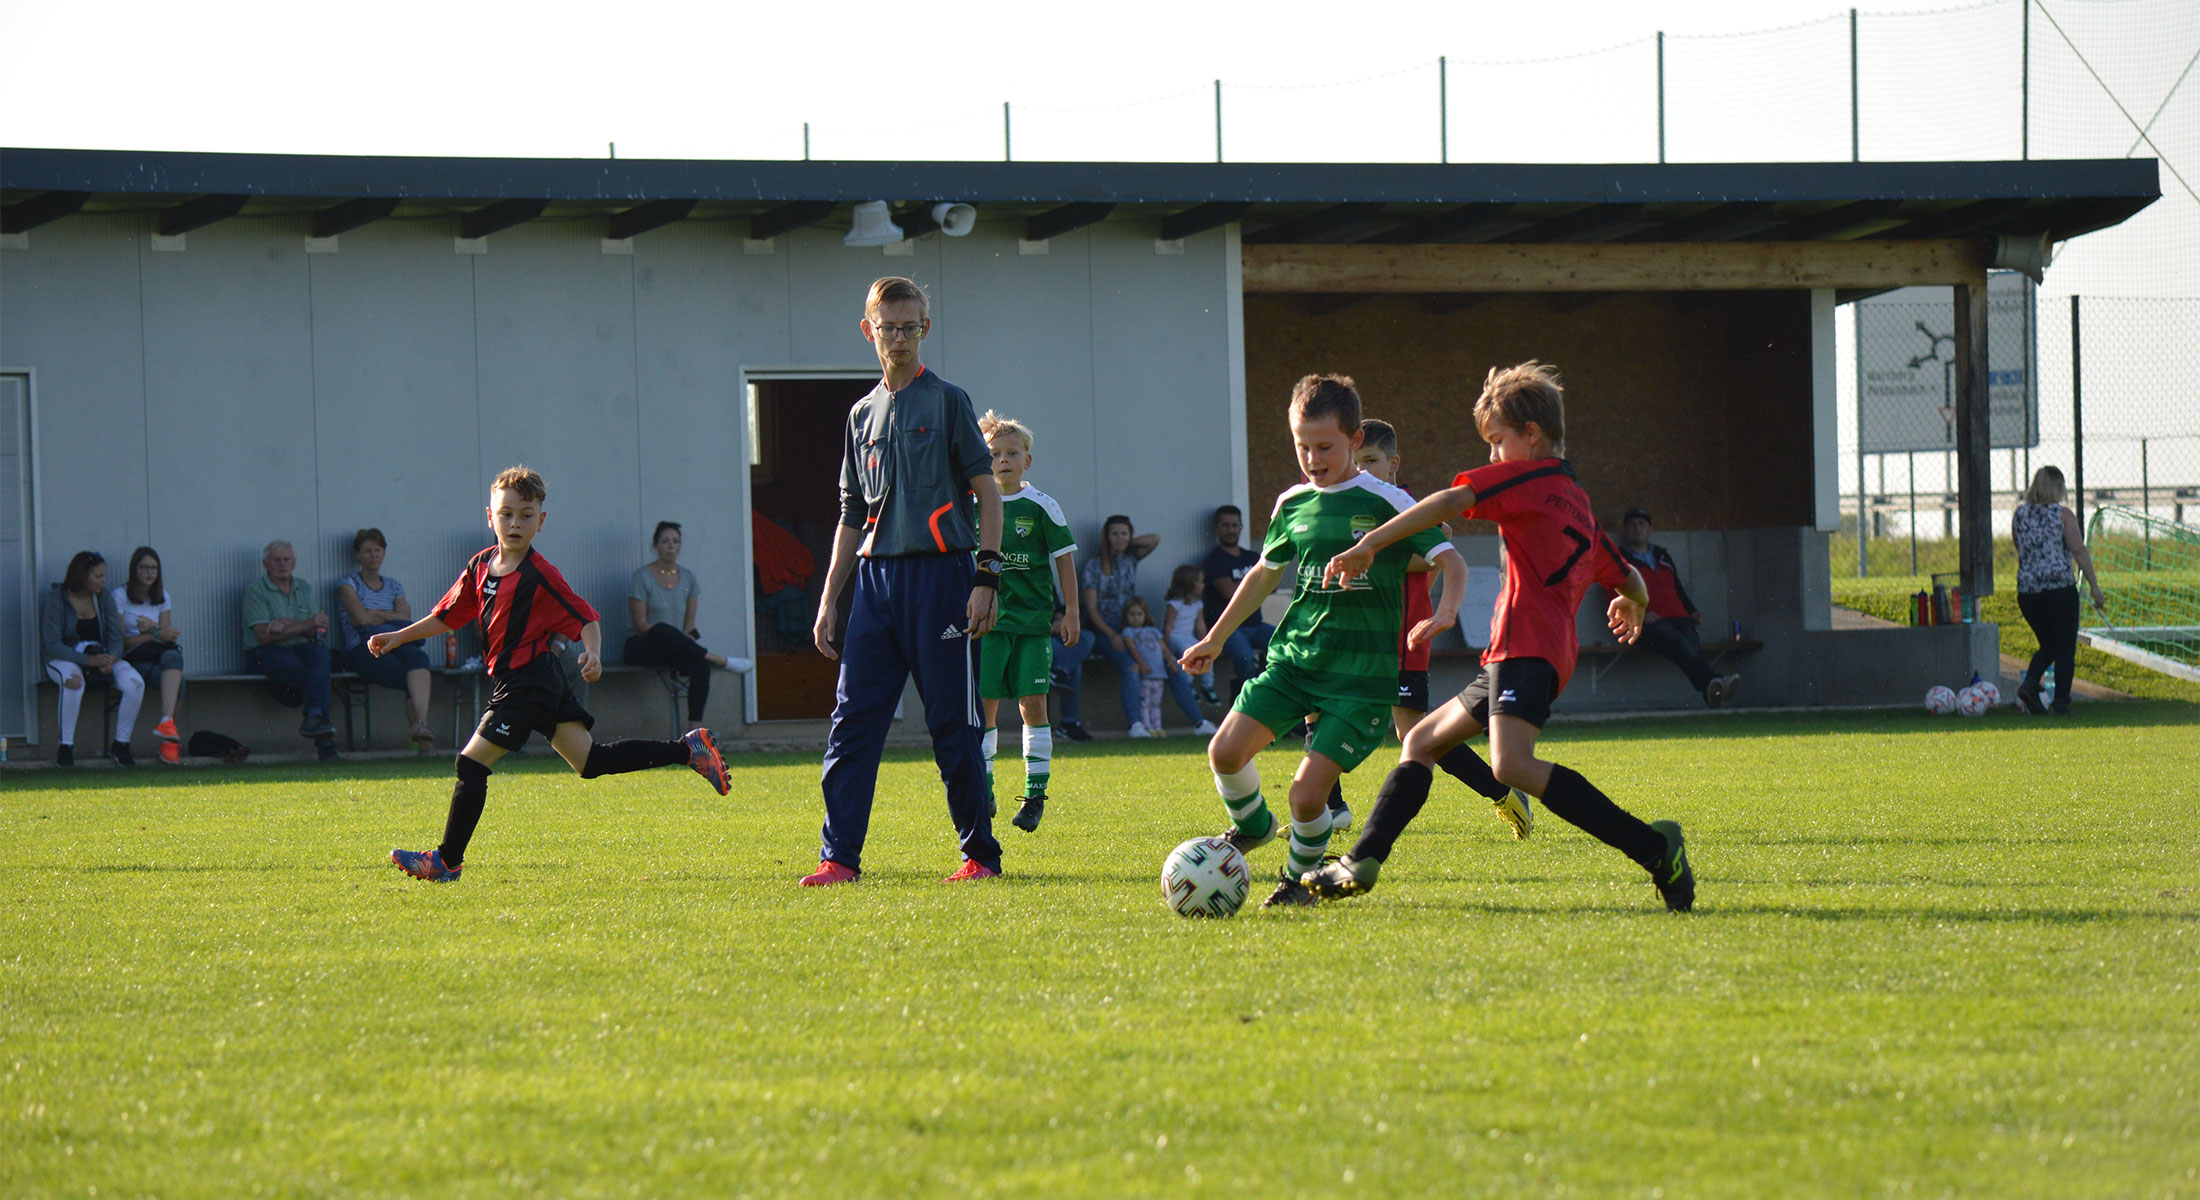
pixel 1988 689
pixel 1971 702
pixel 1205 877
pixel 1940 700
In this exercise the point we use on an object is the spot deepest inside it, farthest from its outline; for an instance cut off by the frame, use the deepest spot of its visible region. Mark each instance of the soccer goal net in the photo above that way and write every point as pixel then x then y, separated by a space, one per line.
pixel 2150 570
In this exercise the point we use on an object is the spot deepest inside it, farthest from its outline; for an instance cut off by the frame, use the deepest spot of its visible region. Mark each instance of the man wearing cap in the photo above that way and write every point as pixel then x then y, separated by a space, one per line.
pixel 1670 626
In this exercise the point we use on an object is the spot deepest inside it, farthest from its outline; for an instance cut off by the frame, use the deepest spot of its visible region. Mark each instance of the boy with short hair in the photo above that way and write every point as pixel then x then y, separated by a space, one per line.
pixel 523 602
pixel 1554 550
pixel 1378 456
pixel 1334 659
pixel 1038 598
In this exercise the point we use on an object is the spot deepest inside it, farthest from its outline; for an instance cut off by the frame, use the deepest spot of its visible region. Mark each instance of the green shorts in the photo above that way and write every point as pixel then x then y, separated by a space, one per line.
pixel 1347 731
pixel 1014 665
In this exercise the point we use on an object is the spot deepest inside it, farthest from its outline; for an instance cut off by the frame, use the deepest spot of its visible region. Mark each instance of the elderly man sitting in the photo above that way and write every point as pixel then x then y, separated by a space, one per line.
pixel 285 640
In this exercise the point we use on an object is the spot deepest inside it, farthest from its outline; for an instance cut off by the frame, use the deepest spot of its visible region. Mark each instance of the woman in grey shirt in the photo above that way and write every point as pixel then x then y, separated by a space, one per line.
pixel 660 602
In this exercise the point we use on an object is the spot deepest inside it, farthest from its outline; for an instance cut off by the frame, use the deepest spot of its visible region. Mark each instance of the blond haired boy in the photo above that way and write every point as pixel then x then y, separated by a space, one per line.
pixel 1038 599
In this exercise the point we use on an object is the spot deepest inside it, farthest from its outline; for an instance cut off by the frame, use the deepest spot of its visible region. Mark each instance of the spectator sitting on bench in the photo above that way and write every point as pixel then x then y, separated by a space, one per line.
pixel 660 605
pixel 80 633
pixel 367 603
pixel 149 640
pixel 283 640
pixel 1670 627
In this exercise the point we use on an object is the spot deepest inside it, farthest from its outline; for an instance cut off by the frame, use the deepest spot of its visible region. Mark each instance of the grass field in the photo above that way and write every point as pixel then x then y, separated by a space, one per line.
pixel 1931 957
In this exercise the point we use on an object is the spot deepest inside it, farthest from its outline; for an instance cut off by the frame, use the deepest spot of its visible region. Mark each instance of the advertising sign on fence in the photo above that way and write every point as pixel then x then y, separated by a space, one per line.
pixel 1905 367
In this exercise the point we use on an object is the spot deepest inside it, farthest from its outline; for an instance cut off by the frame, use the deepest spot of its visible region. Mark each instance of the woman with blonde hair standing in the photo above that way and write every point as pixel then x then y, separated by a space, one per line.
pixel 2048 542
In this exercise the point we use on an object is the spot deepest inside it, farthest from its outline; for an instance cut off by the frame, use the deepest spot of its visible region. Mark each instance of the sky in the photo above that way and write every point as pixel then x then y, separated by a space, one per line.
pixel 881 81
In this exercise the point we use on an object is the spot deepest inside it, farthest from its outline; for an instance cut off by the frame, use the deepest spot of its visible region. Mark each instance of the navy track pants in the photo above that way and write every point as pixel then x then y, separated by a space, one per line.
pixel 906 615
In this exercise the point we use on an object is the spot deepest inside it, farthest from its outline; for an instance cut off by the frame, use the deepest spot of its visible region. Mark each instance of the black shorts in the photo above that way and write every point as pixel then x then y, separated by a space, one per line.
pixel 534 699
pixel 1525 688
pixel 1413 690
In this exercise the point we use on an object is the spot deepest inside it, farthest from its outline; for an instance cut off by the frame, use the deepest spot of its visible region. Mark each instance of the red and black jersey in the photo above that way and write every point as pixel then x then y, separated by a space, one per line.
pixel 519 612
pixel 1418 609
pixel 1554 549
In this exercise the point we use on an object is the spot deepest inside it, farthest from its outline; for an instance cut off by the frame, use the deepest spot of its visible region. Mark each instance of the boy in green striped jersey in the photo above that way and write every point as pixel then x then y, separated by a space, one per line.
pixel 1016 660
pixel 1334 659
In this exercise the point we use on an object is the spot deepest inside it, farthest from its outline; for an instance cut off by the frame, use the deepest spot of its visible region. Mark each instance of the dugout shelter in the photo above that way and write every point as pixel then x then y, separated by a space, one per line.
pixel 203 352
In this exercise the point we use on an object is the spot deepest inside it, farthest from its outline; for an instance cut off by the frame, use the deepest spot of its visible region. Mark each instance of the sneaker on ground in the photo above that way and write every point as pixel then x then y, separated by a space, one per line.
pixel 972 869
pixel 1073 731
pixel 426 864
pixel 121 753
pixel 166 730
pixel 2028 698
pixel 1028 812
pixel 422 737
pixel 1340 816
pixel 171 753
pixel 1139 730
pixel 1204 729
pixel 1676 883
pixel 1245 843
pixel 739 665
pixel 315 726
pixel 704 759
pixel 829 873
pixel 1290 893
pixel 325 750
pixel 1517 809
pixel 64 755
pixel 1338 878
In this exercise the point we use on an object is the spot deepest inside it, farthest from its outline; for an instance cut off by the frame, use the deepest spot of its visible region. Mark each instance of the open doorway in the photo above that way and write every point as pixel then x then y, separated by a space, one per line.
pixel 795 425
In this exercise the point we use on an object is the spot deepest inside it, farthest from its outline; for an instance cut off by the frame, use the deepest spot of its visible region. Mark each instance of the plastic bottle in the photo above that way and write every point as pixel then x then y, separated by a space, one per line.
pixel 450 651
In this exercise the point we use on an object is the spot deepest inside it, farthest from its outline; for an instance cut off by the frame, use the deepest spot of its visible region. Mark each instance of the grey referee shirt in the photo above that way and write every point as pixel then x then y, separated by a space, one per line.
pixel 906 460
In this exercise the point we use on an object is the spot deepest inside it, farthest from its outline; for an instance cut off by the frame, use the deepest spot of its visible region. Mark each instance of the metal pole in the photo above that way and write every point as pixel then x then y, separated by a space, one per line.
pixel 2077 407
pixel 1661 95
pixel 1218 120
pixel 2145 504
pixel 2025 88
pixel 1856 136
pixel 1008 143
pixel 1913 511
pixel 805 141
pixel 1443 110
pixel 1863 501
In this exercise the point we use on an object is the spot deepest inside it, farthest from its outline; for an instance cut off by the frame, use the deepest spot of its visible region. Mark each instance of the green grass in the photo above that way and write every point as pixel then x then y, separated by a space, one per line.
pixel 1889 598
pixel 1932 957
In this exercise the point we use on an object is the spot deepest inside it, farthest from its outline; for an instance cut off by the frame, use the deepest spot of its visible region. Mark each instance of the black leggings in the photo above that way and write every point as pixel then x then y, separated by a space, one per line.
pixel 664 646
pixel 2053 616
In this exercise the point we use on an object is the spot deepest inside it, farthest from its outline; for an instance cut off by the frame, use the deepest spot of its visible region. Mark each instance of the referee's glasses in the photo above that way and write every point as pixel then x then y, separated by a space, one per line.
pixel 888 333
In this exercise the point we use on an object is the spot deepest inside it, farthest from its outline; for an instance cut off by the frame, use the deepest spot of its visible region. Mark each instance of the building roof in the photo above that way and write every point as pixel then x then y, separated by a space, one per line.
pixel 1281 203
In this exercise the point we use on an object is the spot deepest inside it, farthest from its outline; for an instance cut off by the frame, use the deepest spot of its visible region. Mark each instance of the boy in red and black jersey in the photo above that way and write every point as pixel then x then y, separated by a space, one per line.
pixel 522 602
pixel 1554 550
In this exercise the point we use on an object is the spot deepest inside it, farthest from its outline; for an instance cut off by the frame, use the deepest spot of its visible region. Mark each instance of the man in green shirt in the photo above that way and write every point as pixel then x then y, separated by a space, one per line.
pixel 1334 659
pixel 1038 598
pixel 285 640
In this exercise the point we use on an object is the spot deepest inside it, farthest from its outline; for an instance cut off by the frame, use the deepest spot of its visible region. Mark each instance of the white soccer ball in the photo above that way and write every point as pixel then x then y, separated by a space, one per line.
pixel 1940 700
pixel 1205 877
pixel 1990 690
pixel 1971 702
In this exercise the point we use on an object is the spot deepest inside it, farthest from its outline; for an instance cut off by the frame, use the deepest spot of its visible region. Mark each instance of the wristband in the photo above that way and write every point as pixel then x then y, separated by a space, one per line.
pixel 987 579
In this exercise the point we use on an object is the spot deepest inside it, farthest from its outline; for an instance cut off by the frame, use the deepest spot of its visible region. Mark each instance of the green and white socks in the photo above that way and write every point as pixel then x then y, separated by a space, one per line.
pixel 1309 841
pixel 1038 757
pixel 1240 792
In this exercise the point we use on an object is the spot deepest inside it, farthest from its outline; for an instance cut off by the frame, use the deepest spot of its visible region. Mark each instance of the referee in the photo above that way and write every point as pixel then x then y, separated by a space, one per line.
pixel 911 461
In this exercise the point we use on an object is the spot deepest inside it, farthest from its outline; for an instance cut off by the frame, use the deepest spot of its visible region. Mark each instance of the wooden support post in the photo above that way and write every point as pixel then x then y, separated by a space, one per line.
pixel 1974 441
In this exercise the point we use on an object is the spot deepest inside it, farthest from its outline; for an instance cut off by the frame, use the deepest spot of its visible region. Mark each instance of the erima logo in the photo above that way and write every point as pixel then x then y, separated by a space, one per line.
pixel 503 728
pixel 489 588
pixel 950 634
pixel 1506 696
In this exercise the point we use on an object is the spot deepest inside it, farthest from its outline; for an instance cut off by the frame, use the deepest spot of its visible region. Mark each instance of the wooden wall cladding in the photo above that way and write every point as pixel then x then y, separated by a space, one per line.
pixel 1694 405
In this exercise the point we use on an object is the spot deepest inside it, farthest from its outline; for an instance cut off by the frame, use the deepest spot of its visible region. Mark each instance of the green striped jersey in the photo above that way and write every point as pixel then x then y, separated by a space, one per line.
pixel 1033 535
pixel 1343 638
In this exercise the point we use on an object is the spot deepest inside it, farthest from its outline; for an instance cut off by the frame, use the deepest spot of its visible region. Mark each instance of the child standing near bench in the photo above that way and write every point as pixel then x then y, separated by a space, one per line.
pixel 523 602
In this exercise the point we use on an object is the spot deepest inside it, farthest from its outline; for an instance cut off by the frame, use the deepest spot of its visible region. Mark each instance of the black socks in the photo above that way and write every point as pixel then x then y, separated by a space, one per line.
pixel 1468 768
pixel 1403 793
pixel 1571 798
pixel 468 796
pixel 632 754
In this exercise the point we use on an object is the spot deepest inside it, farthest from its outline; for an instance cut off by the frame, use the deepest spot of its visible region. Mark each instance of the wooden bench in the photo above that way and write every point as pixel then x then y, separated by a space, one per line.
pixel 1600 657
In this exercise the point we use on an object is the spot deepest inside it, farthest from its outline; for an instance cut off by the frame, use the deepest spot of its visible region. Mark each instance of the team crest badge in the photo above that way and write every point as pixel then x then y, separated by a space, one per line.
pixel 1024 526
pixel 1363 524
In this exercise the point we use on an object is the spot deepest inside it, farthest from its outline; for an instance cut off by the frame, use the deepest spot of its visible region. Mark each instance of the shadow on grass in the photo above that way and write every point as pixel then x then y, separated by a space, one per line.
pixel 1897 914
